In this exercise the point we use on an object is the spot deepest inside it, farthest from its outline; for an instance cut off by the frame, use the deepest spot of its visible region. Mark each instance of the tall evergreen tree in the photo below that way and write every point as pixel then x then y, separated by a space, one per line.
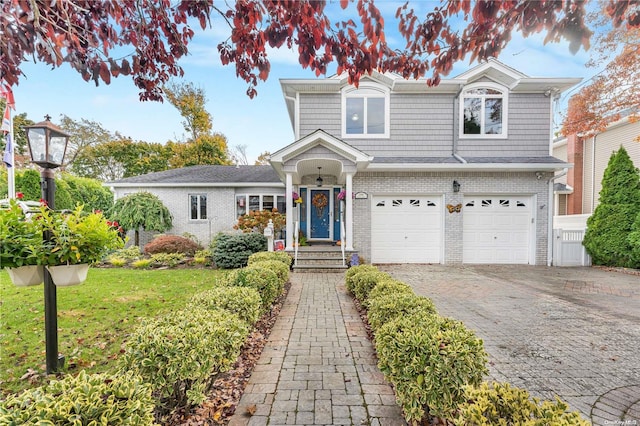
pixel 609 227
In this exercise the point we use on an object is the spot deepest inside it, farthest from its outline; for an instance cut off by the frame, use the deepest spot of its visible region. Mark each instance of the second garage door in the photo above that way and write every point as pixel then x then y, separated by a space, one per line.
pixel 406 229
pixel 497 229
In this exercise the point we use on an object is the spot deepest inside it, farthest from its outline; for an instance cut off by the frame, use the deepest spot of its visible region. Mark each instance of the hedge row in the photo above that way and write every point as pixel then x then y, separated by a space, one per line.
pixel 169 362
pixel 436 364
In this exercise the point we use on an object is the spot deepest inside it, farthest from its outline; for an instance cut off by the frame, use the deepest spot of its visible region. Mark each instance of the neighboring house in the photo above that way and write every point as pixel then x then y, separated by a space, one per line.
pixel 458 173
pixel 590 156
pixel 205 200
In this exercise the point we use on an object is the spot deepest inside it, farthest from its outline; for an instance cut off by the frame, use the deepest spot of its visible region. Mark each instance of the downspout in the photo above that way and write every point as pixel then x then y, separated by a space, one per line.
pixel 593 173
pixel 456 130
pixel 550 182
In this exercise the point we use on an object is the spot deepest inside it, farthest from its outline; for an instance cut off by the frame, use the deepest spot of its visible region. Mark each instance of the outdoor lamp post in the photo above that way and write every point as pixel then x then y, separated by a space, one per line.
pixel 47 146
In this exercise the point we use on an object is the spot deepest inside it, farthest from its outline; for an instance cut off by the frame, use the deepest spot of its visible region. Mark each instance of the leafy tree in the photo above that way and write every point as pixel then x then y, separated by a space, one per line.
pixel 263 159
pixel 206 149
pixel 190 101
pixel 83 134
pixel 608 228
pixel 120 158
pixel 19 135
pixel 89 36
pixel 612 92
pixel 141 210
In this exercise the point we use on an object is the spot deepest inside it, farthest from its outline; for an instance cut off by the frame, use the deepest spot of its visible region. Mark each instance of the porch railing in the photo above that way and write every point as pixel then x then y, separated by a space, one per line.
pixel 295 242
pixel 342 241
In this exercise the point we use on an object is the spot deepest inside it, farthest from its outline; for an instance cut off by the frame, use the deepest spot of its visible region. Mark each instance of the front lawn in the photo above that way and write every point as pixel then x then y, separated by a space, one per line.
pixel 93 318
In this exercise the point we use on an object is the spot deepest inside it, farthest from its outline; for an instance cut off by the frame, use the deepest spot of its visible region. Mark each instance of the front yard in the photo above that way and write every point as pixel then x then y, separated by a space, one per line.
pixel 94 318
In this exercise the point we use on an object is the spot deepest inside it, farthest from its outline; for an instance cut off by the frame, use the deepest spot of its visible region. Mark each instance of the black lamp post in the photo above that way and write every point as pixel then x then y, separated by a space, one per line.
pixel 47 146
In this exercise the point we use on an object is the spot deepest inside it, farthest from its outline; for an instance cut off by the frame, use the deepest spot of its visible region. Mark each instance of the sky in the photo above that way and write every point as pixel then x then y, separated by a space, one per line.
pixel 262 123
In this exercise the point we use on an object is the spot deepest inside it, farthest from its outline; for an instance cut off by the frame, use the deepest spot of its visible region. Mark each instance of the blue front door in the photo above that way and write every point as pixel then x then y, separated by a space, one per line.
pixel 319 219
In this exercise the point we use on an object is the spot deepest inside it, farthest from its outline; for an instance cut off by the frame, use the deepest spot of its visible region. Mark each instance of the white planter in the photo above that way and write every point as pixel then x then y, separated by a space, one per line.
pixel 23 276
pixel 66 275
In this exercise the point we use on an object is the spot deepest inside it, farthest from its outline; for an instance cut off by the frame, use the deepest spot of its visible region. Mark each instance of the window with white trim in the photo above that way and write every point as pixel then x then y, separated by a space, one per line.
pixel 256 202
pixel 483 111
pixel 197 206
pixel 365 111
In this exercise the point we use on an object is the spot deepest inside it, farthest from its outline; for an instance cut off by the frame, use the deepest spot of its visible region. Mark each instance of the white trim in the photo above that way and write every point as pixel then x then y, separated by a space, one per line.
pixel 505 110
pixel 468 167
pixel 199 206
pixel 366 90
pixel 143 185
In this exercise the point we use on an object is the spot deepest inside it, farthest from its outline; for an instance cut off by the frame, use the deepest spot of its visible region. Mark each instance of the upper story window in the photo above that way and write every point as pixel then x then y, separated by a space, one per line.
pixel 197 206
pixel 483 111
pixel 365 111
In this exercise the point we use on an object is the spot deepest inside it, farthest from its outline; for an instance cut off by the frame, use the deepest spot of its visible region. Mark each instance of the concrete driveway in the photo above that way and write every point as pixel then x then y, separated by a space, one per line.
pixel 570 332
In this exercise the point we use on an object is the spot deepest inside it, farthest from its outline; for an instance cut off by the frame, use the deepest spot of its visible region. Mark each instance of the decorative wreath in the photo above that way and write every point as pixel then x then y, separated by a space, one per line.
pixel 320 201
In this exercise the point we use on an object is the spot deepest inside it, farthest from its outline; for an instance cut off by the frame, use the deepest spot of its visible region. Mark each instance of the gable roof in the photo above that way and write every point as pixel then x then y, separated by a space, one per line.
pixel 205 175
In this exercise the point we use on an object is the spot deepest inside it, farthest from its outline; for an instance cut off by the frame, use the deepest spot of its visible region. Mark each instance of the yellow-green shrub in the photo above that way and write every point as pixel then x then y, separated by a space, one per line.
pixel 281 270
pixel 365 281
pixel 85 399
pixel 429 359
pixel 180 353
pixel 141 263
pixel 351 272
pixel 262 279
pixel 242 301
pixel 499 403
pixel 388 286
pixel 280 256
pixel 391 306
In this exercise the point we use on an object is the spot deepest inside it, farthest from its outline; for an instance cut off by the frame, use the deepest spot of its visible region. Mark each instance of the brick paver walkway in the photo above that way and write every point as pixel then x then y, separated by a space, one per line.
pixel 318 367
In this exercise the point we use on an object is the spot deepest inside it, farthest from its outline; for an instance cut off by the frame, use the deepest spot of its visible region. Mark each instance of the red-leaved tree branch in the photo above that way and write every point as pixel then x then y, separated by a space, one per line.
pixel 87 34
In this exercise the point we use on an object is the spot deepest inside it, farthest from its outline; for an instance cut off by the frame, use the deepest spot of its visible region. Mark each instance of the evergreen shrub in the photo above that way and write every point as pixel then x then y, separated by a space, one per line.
pixel 242 301
pixel 501 404
pixel 351 272
pixel 429 359
pixel 391 306
pixel 231 251
pixel 180 353
pixel 85 399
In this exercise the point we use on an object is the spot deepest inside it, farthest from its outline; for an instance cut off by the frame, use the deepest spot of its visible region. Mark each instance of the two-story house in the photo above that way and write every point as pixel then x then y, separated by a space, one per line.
pixel 458 173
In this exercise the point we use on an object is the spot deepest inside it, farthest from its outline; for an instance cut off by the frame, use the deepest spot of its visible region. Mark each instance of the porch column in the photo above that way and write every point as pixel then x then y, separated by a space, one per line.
pixel 289 216
pixel 349 213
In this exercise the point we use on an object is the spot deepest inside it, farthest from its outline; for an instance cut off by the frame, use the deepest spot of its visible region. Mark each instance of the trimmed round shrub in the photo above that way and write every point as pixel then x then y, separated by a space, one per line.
pixel 365 281
pixel 388 286
pixel 242 301
pixel 261 279
pixel 180 353
pixel 122 399
pixel 429 359
pixel 351 272
pixel 231 251
pixel 499 403
pixel 172 244
pixel 391 306
pixel 281 256
pixel 281 270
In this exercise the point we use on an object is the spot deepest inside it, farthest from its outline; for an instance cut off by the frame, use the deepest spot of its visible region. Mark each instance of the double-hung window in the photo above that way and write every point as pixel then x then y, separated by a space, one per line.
pixel 365 112
pixel 483 112
pixel 197 206
pixel 247 202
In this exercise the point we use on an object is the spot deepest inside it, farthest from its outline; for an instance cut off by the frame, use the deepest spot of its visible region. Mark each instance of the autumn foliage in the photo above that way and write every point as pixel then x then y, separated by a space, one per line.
pixel 90 35
pixel 257 220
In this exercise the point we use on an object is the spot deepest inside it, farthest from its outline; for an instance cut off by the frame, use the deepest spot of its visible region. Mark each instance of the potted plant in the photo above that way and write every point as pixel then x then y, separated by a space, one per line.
pixel 76 239
pixel 21 245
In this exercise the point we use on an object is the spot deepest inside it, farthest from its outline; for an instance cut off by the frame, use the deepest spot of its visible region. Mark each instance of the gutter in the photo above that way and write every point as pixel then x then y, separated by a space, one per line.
pixel 550 183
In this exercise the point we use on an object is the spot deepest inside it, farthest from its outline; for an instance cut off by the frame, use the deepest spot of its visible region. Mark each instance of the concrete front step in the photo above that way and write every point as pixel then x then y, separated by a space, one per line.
pixel 319 268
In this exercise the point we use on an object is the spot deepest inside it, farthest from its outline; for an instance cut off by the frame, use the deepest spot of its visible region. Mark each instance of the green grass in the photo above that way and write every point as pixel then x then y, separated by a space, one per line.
pixel 94 318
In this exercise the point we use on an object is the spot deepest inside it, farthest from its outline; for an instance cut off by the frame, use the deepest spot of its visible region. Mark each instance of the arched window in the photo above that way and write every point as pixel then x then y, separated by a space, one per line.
pixel 483 111
pixel 365 111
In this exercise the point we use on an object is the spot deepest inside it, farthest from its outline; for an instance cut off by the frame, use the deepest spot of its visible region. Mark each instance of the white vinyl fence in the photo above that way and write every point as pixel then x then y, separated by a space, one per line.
pixel 568 233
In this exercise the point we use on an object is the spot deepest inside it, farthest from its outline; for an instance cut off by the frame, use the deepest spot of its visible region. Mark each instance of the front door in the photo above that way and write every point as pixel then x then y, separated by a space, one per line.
pixel 319 220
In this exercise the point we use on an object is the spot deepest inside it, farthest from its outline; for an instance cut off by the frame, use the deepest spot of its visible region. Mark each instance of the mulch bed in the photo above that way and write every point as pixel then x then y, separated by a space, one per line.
pixel 228 388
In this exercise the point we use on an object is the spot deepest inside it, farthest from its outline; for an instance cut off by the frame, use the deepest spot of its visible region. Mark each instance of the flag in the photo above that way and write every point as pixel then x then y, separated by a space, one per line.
pixel 8 152
pixel 5 92
pixel 6 120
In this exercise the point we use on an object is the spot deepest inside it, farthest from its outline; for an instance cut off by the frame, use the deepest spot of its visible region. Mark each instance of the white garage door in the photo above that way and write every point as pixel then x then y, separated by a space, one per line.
pixel 406 229
pixel 497 229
